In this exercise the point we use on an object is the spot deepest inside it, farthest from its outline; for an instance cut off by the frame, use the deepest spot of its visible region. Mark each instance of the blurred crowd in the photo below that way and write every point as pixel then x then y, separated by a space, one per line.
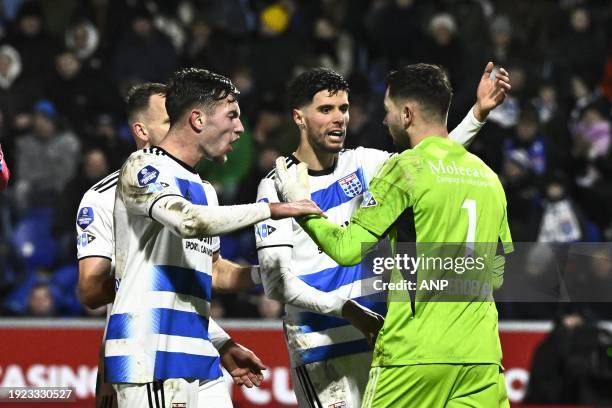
pixel 66 65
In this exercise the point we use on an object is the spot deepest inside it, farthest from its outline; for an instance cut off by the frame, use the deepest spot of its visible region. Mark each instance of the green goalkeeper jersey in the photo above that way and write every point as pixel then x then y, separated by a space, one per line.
pixel 455 198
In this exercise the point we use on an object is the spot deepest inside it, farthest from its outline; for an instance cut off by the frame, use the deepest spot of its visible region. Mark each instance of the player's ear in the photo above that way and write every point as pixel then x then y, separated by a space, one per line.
pixel 197 119
pixel 407 115
pixel 298 117
pixel 139 130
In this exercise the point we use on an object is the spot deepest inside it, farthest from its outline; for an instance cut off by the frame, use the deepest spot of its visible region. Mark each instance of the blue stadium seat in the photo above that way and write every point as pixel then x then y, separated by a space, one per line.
pixel 32 240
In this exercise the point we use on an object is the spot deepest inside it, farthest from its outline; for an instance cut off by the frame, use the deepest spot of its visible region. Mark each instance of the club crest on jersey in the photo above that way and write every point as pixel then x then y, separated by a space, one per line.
pixel 369 200
pixel 84 239
pixel 264 230
pixel 147 175
pixel 351 185
pixel 85 217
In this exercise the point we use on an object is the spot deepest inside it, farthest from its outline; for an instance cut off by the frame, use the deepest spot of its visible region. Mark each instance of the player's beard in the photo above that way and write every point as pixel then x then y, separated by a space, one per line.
pixel 320 144
pixel 400 137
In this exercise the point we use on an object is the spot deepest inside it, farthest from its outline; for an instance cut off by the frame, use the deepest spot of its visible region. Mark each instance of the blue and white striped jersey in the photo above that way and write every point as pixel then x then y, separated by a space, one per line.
pixel 159 323
pixel 338 192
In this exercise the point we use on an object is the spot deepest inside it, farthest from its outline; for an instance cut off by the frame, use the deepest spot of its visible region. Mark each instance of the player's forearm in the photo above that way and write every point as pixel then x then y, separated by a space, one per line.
pixel 466 131
pixel 96 291
pixel 229 277
pixel 345 245
pixel 281 284
pixel 196 221
pixel 96 287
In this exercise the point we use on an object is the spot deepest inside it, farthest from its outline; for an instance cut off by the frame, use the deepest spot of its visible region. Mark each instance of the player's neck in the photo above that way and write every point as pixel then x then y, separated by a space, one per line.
pixel 316 160
pixel 182 148
pixel 427 131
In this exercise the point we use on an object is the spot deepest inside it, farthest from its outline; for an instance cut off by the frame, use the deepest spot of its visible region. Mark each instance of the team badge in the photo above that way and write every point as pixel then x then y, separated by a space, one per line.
pixel 147 175
pixel 264 230
pixel 369 200
pixel 351 185
pixel 85 239
pixel 85 217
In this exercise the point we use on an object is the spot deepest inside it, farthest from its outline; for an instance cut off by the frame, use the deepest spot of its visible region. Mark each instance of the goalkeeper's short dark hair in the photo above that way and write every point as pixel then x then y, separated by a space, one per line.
pixel 425 83
pixel 190 87
pixel 304 87
pixel 137 99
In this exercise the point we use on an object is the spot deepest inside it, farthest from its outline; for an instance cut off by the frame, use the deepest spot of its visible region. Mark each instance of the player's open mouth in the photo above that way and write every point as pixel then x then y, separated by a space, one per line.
pixel 336 135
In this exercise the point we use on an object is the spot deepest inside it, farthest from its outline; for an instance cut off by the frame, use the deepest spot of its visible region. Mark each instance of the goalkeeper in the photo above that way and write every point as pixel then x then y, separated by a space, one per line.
pixel 427 354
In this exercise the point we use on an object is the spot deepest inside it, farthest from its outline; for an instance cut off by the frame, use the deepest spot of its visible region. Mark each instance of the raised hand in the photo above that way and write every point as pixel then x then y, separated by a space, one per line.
pixel 367 321
pixel 242 364
pixel 289 187
pixel 491 92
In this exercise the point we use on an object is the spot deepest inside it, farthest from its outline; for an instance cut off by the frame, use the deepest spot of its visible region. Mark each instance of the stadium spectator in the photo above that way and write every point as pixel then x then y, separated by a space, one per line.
pixel 445 48
pixel 17 94
pixel 42 167
pixel 29 36
pixel 40 301
pixel 517 177
pixel 104 133
pixel 528 137
pixel 571 366
pixel 79 93
pixel 83 40
pixel 143 54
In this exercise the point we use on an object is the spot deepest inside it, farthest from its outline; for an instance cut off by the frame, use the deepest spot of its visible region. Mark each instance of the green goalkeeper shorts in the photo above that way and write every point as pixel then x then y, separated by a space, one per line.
pixel 436 385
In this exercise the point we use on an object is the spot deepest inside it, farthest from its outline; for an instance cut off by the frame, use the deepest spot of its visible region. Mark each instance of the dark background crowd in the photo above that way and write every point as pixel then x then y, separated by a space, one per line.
pixel 66 65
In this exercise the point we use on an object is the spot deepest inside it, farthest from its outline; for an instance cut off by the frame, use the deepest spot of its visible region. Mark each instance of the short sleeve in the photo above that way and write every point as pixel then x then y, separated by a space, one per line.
pixel 94 227
pixel 270 233
pixel 144 179
pixel 371 161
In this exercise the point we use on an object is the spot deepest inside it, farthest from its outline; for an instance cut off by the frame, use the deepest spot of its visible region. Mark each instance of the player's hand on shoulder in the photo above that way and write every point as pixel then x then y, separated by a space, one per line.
pixel 242 364
pixel 367 321
pixel 292 187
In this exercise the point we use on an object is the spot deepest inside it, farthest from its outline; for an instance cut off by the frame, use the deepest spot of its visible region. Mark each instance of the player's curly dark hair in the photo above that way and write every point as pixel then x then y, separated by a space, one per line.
pixel 189 87
pixel 304 87
pixel 137 99
pixel 426 83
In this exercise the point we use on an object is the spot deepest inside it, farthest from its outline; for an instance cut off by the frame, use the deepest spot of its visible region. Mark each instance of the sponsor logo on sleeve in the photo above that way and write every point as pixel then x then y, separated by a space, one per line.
pixel 351 185
pixel 85 217
pixel 369 200
pixel 263 200
pixel 147 175
pixel 85 239
pixel 265 230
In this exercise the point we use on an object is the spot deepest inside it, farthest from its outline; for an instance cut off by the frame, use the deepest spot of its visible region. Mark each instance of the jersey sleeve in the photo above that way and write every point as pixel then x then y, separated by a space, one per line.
pixel 272 233
pixel 371 160
pixel 387 197
pixel 466 131
pixel 94 227
pixel 143 181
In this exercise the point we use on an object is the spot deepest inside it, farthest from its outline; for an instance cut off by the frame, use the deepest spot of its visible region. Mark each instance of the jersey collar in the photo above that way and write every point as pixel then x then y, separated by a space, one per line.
pixel 182 163
pixel 316 173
